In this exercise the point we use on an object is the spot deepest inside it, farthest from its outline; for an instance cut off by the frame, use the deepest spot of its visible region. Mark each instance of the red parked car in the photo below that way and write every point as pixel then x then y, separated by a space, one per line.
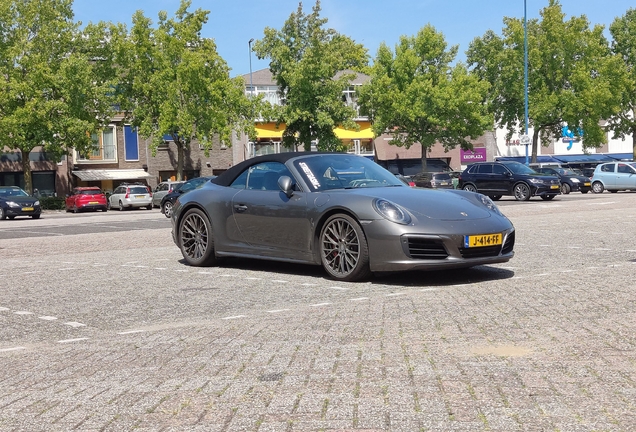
pixel 86 198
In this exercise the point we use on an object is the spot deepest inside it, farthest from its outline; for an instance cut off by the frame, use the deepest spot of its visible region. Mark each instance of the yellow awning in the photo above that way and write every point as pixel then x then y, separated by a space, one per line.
pixel 365 132
pixel 269 130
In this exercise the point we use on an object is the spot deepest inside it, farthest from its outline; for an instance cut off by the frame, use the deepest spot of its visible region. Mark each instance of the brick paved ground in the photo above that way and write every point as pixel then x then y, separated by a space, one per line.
pixel 142 342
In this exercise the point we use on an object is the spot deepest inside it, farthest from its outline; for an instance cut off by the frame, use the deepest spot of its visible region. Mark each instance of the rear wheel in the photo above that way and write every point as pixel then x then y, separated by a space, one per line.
pixel 344 252
pixel 3 215
pixel 470 188
pixel 167 209
pixel 121 206
pixel 196 239
pixel 522 192
pixel 150 207
pixel 565 188
pixel 495 197
pixel 597 187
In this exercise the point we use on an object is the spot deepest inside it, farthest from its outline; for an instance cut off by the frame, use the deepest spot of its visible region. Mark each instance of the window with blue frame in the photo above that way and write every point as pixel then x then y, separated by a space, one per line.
pixel 131 143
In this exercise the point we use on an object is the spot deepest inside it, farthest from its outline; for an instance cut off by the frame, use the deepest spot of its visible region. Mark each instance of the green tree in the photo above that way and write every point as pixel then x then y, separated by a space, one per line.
pixel 304 59
pixel 418 97
pixel 573 78
pixel 173 82
pixel 623 30
pixel 51 94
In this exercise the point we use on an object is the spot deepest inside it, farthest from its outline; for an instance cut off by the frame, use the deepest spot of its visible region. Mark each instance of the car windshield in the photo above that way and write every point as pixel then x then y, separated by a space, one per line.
pixel 13 192
pixel 566 172
pixel 192 184
pixel 342 171
pixel 519 168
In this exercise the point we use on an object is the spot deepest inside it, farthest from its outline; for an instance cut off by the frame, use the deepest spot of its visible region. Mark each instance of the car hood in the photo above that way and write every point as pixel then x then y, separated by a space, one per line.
pixel 21 199
pixel 442 204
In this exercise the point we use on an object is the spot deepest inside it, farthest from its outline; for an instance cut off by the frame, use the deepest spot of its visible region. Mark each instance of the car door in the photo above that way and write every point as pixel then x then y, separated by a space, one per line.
pixel 70 200
pixel 608 175
pixel 269 221
pixel 482 177
pixel 625 176
pixel 499 181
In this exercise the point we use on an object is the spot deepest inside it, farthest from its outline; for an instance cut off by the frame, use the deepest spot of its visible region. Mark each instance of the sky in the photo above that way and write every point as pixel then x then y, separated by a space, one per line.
pixel 369 22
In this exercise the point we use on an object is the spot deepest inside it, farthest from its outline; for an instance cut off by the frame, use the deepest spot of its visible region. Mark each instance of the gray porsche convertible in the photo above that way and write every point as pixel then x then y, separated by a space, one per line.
pixel 341 211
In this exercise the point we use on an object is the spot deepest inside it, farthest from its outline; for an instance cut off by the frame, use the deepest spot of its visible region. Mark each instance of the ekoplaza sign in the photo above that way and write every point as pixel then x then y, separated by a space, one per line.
pixel 475 155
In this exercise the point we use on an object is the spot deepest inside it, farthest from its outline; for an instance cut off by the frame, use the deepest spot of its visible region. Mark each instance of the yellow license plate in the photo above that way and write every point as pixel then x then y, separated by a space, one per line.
pixel 27 208
pixel 587 184
pixel 554 187
pixel 483 240
pixel 93 202
pixel 139 196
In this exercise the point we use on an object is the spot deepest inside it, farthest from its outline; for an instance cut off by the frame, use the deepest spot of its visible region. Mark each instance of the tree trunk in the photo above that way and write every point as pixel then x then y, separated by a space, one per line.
pixel 180 159
pixel 424 159
pixel 634 143
pixel 28 176
pixel 535 145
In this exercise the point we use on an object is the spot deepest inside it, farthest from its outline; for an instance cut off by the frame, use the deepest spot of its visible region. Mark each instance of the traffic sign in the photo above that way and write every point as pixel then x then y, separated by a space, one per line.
pixel 525 140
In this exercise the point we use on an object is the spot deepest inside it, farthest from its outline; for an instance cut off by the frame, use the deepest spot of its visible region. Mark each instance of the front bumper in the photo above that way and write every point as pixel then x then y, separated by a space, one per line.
pixel 394 247
pixel 22 211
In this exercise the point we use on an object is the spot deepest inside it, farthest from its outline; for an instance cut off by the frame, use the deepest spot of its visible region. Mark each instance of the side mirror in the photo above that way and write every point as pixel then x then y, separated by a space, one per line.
pixel 286 185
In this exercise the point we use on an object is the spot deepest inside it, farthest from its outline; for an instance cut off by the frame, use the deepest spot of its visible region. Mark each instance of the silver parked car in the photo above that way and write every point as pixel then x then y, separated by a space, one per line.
pixel 163 189
pixel 614 176
pixel 127 196
pixel 341 211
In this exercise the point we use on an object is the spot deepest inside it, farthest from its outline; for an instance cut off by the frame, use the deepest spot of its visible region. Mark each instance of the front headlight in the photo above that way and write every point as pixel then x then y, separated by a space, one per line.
pixel 37 203
pixel 490 204
pixel 13 204
pixel 392 211
pixel 536 181
pixel 575 180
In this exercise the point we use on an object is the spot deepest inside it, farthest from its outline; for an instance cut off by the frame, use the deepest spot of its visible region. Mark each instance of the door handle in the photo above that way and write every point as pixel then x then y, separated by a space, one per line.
pixel 240 207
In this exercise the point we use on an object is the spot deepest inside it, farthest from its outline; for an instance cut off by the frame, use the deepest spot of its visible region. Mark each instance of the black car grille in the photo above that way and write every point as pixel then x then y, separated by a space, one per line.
pixel 422 248
pixel 509 244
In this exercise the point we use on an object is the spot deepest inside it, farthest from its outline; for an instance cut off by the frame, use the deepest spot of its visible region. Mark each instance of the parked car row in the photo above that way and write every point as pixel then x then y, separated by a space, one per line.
pixel 14 201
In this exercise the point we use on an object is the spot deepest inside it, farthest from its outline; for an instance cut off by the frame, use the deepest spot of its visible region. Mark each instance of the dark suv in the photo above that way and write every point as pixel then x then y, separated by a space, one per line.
pixel 508 178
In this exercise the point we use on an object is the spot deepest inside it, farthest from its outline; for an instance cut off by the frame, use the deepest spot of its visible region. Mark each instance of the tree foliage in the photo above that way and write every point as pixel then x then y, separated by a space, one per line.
pixel 623 31
pixel 173 82
pixel 305 58
pixel 418 97
pixel 52 93
pixel 573 78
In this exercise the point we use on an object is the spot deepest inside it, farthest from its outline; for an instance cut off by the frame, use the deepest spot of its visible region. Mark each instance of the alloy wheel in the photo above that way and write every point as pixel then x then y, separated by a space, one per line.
pixel 344 250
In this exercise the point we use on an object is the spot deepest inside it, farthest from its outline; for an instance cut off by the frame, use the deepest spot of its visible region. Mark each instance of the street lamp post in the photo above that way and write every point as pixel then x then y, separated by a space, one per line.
pixel 249 44
pixel 525 71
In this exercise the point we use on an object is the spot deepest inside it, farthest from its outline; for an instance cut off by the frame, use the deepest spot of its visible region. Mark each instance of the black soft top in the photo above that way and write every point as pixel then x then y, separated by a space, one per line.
pixel 226 178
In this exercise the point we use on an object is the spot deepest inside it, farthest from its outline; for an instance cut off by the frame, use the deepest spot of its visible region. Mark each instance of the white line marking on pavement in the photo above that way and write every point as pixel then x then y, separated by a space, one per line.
pixel 320 304
pixel 541 274
pixel 602 249
pixel 75 324
pixel 160 268
pixel 574 247
pixel 100 265
pixel 12 349
pixel 67 268
pixel 252 278
pixel 131 332
pixel 359 299
pixel 31 272
pixel 23 313
pixel 394 294
pixel 309 284
pixel 277 310
pixel 4 309
pixel 234 317
pixel 72 340
pixel 48 318
pixel 437 289
pixel 338 288
pixel 204 272
pixel 630 250
pixel 181 270
pixel 279 281
pixel 225 275
pixel 601 203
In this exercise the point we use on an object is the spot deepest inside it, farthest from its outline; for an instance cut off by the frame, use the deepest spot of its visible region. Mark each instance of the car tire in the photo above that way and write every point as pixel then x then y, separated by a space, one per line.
pixel 612 191
pixel 105 209
pixel 167 209
pixel 37 216
pixel 495 197
pixel 470 188
pixel 565 188
pixel 521 192
pixel 584 191
pixel 3 216
pixel 75 210
pixel 344 251
pixel 121 206
pixel 150 207
pixel 597 187
pixel 547 197
pixel 196 239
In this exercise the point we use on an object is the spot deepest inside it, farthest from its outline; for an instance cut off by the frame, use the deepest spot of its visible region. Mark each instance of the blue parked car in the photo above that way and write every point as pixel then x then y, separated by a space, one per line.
pixel 614 176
